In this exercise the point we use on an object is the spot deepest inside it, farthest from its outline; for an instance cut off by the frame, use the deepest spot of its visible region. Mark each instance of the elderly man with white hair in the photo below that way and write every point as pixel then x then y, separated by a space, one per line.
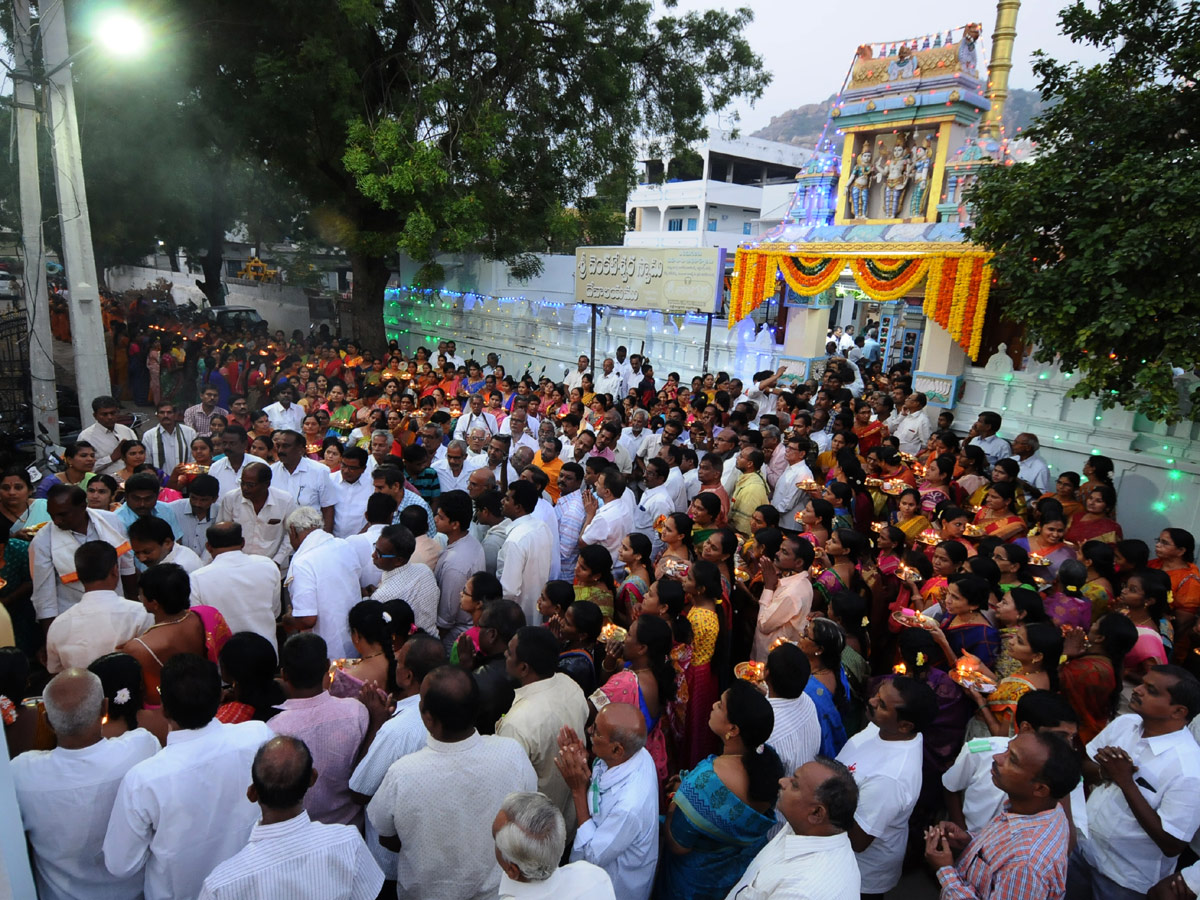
pixel 530 834
pixel 66 794
pixel 322 581
pixel 454 468
pixel 474 416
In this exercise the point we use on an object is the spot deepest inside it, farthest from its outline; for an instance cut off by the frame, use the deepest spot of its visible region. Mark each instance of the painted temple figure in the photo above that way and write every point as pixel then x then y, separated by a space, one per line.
pixel 922 171
pixel 968 56
pixel 895 171
pixel 860 182
pixel 904 65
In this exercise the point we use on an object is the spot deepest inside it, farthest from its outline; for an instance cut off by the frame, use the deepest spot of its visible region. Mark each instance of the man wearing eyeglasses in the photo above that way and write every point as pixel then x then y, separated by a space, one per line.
pixel 351 492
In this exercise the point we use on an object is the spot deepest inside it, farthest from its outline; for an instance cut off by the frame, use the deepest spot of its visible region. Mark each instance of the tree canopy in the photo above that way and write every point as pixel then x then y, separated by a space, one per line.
pixel 1095 238
pixel 502 127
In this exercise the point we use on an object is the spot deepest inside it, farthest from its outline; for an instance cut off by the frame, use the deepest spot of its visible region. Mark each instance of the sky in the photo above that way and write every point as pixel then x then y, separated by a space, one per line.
pixel 809 46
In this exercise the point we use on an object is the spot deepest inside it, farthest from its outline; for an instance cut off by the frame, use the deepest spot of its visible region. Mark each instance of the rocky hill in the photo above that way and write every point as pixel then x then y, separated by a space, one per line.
pixel 802 126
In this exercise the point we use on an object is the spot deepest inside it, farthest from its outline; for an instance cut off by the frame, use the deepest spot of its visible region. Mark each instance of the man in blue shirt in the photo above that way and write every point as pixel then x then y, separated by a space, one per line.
pixel 141 499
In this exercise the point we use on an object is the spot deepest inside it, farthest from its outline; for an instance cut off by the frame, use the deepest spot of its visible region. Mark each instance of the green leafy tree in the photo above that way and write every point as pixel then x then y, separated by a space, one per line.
pixel 1095 238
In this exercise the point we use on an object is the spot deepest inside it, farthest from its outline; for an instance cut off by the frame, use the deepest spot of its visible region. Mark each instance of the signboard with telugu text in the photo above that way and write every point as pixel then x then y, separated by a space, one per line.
pixel 676 279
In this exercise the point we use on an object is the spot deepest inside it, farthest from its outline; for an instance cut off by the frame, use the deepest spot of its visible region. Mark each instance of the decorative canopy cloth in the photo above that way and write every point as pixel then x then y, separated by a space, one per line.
pixel 957 279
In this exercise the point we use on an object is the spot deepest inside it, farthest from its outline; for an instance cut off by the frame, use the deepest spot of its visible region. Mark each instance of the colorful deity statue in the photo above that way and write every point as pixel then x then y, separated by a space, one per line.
pixel 860 182
pixel 968 57
pixel 904 65
pixel 922 169
pixel 895 171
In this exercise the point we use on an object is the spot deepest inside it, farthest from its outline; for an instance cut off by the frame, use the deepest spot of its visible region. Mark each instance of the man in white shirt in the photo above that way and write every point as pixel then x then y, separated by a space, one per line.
pixel 105 435
pixel 390 738
pixel 403 579
pixel 812 856
pixel 288 853
pixel 983 434
pixel 788 498
pixel 623 366
pixel 66 794
pixel 454 468
pixel 452 355
pixel 610 382
pixel 285 415
pixel 351 491
pixel 608 524
pixel 474 416
pixel 184 811
pixel 234 443
pixel 410 810
pixel 489 516
pixel 101 621
pixel 785 602
pixel 194 513
pixel 797 733
pixel 575 379
pixel 305 480
pixel 530 835
pixel 1145 802
pixel 153 543
pixel 546 700
pixel 1034 471
pixel 169 443
pixel 522 430
pixel 607 447
pixel 523 564
pixel 636 434
pixel 656 502
pixel 885 758
pixel 616 802
pixel 972 796
pixel 56 585
pixel 243 587
pixel 544 510
pixel 569 511
pixel 914 427
pixel 322 581
pixel 261 511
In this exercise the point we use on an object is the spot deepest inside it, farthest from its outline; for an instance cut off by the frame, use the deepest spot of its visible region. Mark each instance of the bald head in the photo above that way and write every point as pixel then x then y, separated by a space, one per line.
pixel 74 701
pixel 622 732
pixel 281 774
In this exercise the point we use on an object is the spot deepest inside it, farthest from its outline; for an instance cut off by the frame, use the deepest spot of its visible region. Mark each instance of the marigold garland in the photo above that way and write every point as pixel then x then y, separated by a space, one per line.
pixel 808 277
pixel 904 278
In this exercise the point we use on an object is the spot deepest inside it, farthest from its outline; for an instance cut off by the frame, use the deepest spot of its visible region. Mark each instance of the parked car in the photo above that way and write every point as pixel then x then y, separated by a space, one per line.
pixel 234 317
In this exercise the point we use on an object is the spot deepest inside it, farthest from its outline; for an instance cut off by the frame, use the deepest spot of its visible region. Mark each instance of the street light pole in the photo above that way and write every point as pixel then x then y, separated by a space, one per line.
pixel 37 306
pixel 87 327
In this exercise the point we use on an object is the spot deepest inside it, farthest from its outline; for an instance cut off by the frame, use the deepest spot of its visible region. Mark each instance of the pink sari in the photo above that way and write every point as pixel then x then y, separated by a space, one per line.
pixel 624 688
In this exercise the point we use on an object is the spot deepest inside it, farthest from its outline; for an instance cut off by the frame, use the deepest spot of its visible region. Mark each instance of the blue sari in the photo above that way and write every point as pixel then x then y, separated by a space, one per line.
pixel 723 833
pixel 833 730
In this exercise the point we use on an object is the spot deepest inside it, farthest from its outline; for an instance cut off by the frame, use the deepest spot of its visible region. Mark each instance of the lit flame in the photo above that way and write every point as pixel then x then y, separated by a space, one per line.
pixel 900 669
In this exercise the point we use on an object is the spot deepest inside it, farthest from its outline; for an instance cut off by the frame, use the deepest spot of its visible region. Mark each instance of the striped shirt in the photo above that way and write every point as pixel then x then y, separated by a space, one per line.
pixel 797 734
pixel 297 858
pixel 570 523
pixel 1013 858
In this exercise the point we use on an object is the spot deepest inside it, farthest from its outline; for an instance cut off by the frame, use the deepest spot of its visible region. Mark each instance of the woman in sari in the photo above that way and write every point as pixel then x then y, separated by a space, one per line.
pixel 341 413
pixel 870 434
pixel 966 630
pixel 723 809
pixel 449 382
pixel 1144 600
pixel 975 470
pixel 823 642
pixel 1096 523
pixel 1091 678
pixel 1101 576
pixel 1037 648
pixel 311 429
pixel 1013 562
pixel 1046 543
pixel 710 656
pixel 705 513
pixel 935 488
pixel 580 630
pixel 816 522
pixel 20 516
pixel 371 633
pixel 1017 607
pixel 667 600
pixel 594 578
pixel 1066 492
pixel 1098 472
pixel 947 560
pixel 849 611
pixel 635 554
pixel 1066 604
pixel 644 678
pixel 844 553
pixel 1175 554
pixel 908 516
pixel 677 553
pixel 178 627
pixel 998 517
pixel 248 664
pixel 719 549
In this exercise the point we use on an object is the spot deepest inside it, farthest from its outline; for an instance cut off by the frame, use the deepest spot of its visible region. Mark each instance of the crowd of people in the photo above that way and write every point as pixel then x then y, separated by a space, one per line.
pixel 356 624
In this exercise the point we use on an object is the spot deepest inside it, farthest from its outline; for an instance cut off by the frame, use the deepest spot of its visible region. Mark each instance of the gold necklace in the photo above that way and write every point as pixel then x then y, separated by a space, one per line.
pixel 372 656
pixel 175 622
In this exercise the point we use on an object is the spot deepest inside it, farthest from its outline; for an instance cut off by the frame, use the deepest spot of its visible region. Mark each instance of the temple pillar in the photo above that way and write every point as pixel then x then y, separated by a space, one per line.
pixel 940 352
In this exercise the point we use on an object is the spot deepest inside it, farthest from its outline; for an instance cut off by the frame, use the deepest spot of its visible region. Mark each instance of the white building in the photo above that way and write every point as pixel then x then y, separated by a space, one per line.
pixel 723 205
